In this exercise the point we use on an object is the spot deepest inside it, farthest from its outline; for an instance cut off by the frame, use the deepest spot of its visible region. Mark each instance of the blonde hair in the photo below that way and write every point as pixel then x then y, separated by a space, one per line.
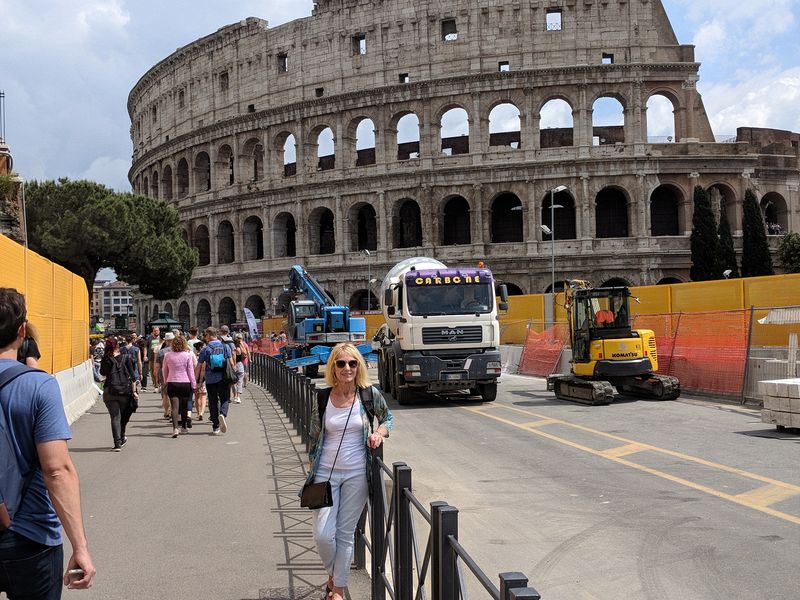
pixel 362 377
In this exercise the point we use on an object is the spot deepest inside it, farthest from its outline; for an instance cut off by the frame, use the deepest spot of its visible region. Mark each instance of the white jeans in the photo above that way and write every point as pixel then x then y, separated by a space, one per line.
pixel 239 379
pixel 334 527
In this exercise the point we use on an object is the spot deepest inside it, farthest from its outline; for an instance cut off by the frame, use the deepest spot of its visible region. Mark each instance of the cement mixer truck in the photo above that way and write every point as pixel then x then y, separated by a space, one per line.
pixel 441 331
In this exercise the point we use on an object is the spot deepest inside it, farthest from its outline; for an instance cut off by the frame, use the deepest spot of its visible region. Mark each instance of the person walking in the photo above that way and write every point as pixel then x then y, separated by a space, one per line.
pixel 143 353
pixel 34 447
pixel 211 367
pixel 153 345
pixel 28 353
pixel 118 390
pixel 131 349
pixel 340 436
pixel 166 347
pixel 179 379
pixel 241 355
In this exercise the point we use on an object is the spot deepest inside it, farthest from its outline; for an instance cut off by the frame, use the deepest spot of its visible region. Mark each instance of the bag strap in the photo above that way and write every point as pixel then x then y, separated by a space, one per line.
pixel 369 404
pixel 344 431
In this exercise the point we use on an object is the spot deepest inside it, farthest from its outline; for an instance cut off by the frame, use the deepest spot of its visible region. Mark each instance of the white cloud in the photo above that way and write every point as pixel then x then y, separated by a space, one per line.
pixel 112 172
pixel 109 14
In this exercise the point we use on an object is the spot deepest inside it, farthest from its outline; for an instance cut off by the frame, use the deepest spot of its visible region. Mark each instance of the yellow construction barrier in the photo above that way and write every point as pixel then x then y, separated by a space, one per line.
pixel 57 301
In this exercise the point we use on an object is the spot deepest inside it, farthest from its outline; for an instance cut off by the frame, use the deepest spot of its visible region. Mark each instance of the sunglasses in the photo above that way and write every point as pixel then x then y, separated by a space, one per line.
pixel 340 364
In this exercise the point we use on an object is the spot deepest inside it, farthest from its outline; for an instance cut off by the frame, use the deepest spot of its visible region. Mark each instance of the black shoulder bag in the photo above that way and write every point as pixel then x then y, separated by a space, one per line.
pixel 319 495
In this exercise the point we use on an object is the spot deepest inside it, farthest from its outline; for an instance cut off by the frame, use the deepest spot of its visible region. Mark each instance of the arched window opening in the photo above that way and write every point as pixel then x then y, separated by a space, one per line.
pixel 668 281
pixel 183 314
pixel 365 143
pixel 168 309
pixel 562 213
pixel 203 315
pixel 253 239
pixel 560 286
pixel 225 243
pixel 660 120
pixel 615 282
pixel 146 186
pixel 156 312
pixel 776 214
pixel 201 243
pixel 256 305
pixel 456 222
pixel 407 225
pixel 326 150
pixel 284 233
pixel 154 189
pixel 611 214
pixel 504 126
pixel 361 301
pixel 506 219
pixel 224 167
pixel 227 312
pixel 322 236
pixel 513 289
pixel 202 172
pixel 455 132
pixel 408 137
pixel 252 164
pixel 146 320
pixel 608 122
pixel 365 233
pixel 664 214
pixel 555 124
pixel 166 182
pixel 287 149
pixel 183 178
pixel 723 201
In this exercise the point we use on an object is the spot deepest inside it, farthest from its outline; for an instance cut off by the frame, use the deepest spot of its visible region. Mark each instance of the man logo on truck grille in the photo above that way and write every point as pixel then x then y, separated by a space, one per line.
pixel 451 334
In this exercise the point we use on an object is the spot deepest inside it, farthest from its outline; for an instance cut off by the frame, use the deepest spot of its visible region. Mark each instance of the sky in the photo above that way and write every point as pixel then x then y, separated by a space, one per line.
pixel 67 66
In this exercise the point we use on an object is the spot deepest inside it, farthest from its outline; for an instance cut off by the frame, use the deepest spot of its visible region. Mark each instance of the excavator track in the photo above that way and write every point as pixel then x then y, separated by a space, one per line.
pixel 655 387
pixel 585 391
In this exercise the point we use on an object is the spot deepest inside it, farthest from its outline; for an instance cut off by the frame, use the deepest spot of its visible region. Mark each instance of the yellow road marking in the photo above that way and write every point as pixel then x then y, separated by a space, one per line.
pixel 758 499
pixel 625 450
pixel 767 495
pixel 538 423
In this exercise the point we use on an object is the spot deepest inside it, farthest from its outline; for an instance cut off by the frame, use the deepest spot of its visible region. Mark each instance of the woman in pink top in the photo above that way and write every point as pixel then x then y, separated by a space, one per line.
pixel 178 371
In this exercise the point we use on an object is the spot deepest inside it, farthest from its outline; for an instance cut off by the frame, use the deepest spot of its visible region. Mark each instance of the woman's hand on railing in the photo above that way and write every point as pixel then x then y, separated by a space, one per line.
pixel 374 440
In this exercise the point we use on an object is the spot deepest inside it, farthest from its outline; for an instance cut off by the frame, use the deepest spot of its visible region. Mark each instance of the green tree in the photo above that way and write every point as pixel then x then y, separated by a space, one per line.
pixel 703 240
pixel 789 253
pixel 85 226
pixel 756 259
pixel 726 253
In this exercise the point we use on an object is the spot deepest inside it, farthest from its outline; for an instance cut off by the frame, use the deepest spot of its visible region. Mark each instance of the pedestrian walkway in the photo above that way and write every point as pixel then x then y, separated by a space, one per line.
pixel 200 516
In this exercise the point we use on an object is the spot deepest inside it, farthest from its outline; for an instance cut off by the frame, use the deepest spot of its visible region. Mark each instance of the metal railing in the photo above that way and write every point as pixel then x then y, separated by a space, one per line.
pixel 400 566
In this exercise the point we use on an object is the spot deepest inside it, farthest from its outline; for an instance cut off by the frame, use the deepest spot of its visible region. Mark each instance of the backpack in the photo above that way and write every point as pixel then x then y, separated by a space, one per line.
pixel 118 381
pixel 216 359
pixel 15 481
pixel 369 403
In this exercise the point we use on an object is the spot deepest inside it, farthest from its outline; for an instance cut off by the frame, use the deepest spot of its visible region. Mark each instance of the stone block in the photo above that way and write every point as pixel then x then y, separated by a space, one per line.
pixel 794 405
pixel 778 403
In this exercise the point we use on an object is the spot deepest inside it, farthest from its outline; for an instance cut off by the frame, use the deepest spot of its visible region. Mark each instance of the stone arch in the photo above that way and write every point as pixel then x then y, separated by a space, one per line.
pixel 323 145
pixel 202 245
pixel 202 172
pixel 668 281
pixel 361 131
pixel 256 305
pixel 225 249
pixel 168 309
pixel 146 319
pixel 506 218
pixel 182 178
pixel 360 301
pixel 611 213
pixel 364 235
pixel 321 231
pixel 723 199
pixel 406 125
pixel 166 182
pixel 556 125
pixel 608 120
pixel 454 124
pixel 156 312
pixel 203 314
pixel 776 213
pixel 665 213
pixel 616 282
pixel 456 221
pixel 660 121
pixel 284 235
pixel 146 186
pixel 154 185
pixel 225 167
pixel 226 311
pixel 253 246
pixel 286 152
pixel 564 217
pixel 252 163
pixel 183 314
pixel 504 125
pixel 407 224
pixel 513 289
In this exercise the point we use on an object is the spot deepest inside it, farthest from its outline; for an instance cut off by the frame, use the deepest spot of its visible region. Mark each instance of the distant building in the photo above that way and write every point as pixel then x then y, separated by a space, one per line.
pixel 111 299
pixel 11 197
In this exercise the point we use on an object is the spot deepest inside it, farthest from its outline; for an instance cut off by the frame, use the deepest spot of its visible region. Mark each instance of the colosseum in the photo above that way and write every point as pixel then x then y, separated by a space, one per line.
pixel 375 130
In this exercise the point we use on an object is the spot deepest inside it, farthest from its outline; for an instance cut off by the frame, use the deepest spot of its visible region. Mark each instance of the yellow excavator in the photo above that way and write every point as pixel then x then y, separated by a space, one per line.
pixel 606 352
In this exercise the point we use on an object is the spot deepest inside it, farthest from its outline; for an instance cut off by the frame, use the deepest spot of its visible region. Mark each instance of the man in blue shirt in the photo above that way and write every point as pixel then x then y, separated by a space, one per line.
pixel 31 552
pixel 218 391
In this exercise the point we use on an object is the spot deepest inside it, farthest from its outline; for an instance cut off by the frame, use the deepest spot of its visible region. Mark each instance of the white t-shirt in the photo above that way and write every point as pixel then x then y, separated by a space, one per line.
pixel 353 455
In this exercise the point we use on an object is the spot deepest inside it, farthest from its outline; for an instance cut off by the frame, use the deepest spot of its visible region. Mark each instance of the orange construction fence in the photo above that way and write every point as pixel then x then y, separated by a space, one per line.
pixel 266 346
pixel 542 350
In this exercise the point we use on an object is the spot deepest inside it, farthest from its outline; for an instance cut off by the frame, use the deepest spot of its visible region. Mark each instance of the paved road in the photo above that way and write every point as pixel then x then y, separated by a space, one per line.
pixel 637 500
pixel 200 516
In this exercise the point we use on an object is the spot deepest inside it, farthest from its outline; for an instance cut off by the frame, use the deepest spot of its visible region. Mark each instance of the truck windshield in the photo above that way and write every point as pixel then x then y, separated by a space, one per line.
pixel 301 311
pixel 460 299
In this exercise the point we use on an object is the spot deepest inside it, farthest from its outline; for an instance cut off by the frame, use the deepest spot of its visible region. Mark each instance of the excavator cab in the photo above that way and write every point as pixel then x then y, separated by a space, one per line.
pixel 598 314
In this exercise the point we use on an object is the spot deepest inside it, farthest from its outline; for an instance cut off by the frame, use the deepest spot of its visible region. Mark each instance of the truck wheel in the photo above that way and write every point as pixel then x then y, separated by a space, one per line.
pixel 488 391
pixel 402 395
pixel 474 392
pixel 311 371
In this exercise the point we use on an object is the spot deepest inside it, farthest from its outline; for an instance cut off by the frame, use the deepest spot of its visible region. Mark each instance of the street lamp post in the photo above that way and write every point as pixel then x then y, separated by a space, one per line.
pixel 552 232
pixel 368 254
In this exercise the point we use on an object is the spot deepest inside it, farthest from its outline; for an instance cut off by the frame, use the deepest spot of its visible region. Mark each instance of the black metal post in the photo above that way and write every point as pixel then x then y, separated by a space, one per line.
pixel 448 575
pixel 437 543
pixel 403 567
pixel 377 526
pixel 511 581
pixel 526 593
pixel 360 548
